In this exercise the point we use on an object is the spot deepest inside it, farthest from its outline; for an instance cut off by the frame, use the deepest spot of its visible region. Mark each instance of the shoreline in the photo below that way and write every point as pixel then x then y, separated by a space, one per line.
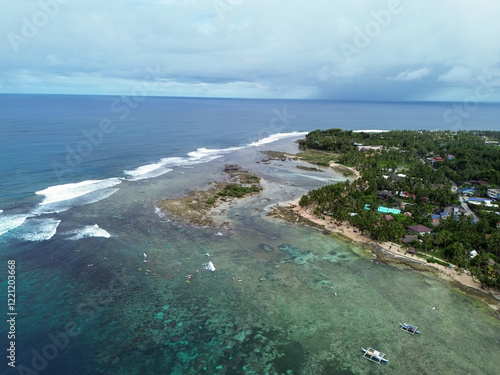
pixel 463 280
pixel 286 197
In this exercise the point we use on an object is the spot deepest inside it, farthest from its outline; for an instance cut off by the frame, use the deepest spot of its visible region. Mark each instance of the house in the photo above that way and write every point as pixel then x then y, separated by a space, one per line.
pixel 413 251
pixel 454 209
pixel 469 190
pixel 406 194
pixel 385 195
pixel 364 148
pixel 409 237
pixel 473 253
pixel 493 193
pixel 435 219
pixel 437 158
pixel 480 200
pixel 388 217
pixel 419 229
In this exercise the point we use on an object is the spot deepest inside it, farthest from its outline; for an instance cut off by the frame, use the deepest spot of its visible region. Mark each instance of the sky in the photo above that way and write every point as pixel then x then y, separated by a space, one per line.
pixel 376 50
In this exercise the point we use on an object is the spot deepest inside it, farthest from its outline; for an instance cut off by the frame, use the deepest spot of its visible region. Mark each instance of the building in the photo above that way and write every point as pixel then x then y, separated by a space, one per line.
pixel 419 229
pixel 479 200
pixel 413 251
pixel 493 193
pixel 385 195
pixel 409 237
pixel 232 167
pixel 454 209
pixel 469 191
pixel 385 210
pixel 365 148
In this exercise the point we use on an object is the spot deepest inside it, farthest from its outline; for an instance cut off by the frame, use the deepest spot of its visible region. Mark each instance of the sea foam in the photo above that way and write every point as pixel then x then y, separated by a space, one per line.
pixel 64 205
pixel 59 193
pixel 199 156
pixel 276 137
pixel 9 222
pixel 38 229
pixel 88 231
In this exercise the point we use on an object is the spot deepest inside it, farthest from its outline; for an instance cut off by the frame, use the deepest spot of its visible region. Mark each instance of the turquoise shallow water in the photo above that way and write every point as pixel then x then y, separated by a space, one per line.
pixel 283 317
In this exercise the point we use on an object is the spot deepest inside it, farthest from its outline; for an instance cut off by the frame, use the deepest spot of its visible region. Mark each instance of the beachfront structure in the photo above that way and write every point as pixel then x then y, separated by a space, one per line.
pixel 232 167
pixel 419 229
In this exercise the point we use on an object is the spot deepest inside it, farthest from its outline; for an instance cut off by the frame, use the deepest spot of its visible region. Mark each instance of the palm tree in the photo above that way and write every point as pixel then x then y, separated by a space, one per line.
pixel 444 237
pixel 427 239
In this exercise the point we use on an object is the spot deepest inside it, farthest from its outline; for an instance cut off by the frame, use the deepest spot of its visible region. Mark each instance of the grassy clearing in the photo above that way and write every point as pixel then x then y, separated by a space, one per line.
pixel 317 157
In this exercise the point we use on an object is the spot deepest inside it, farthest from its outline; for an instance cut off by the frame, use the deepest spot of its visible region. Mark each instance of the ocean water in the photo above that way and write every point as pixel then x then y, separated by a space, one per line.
pixel 79 180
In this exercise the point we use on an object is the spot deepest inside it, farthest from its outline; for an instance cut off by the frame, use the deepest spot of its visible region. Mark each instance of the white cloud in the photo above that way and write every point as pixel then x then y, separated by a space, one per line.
pixel 457 74
pixel 278 48
pixel 412 75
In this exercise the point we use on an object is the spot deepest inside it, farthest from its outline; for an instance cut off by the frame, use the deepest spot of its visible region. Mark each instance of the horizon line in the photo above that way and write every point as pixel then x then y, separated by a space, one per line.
pixel 253 98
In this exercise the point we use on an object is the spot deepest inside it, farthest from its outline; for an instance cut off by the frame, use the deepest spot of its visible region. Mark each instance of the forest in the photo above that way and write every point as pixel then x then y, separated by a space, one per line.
pixel 413 178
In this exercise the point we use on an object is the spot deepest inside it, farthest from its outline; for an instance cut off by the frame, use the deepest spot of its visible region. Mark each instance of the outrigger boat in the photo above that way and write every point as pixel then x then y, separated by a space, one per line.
pixel 374 355
pixel 409 328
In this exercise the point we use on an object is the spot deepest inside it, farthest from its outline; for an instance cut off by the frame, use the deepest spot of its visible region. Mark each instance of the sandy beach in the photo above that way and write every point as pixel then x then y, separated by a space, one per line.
pixel 391 248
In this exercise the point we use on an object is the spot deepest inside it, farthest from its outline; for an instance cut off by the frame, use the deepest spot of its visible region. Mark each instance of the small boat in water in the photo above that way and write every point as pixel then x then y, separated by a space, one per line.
pixel 374 355
pixel 409 328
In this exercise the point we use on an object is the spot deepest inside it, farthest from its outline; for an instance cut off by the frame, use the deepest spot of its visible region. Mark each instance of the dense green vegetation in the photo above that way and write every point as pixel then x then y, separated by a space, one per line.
pixel 417 172
pixel 236 190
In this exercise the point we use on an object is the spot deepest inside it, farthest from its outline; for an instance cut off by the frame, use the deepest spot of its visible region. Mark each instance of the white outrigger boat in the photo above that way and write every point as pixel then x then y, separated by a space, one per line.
pixel 374 355
pixel 409 328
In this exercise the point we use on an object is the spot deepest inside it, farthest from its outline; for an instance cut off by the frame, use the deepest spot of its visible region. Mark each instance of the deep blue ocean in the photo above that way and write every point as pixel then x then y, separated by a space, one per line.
pixel 78 175
pixel 55 139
